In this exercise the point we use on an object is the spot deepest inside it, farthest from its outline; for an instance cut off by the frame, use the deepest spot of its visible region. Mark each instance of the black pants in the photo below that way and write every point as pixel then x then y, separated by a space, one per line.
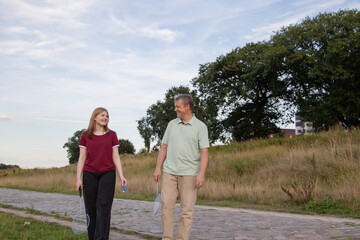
pixel 99 191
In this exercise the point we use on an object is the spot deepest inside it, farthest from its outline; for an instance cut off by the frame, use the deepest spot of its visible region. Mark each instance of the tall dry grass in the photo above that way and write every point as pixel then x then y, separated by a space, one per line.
pixel 252 172
pixel 256 171
pixel 138 170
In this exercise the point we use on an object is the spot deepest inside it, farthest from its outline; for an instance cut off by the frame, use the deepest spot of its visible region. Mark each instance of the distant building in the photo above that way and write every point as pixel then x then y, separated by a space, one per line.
pixel 303 128
pixel 289 133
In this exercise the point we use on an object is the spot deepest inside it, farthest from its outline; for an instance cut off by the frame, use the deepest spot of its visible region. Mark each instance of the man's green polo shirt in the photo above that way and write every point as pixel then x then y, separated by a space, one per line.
pixel 184 142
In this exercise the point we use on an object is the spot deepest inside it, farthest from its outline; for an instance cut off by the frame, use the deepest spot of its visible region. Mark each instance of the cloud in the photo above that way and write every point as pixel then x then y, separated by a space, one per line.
pixel 353 5
pixel 62 12
pixel 43 29
pixel 297 12
pixel 264 32
pixel 166 35
pixel 59 120
pixel 16 29
pixel 317 5
pixel 32 49
pixel 36 44
pixel 4 117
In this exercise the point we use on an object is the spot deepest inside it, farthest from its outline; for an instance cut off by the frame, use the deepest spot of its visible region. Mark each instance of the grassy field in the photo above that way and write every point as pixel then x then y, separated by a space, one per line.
pixel 310 174
pixel 14 227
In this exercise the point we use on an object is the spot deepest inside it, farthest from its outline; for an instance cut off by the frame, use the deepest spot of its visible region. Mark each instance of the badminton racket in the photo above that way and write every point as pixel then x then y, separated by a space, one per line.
pixel 79 220
pixel 156 204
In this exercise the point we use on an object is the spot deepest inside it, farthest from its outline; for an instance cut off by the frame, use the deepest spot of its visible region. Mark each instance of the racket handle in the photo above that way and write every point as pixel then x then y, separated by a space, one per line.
pixel 80 192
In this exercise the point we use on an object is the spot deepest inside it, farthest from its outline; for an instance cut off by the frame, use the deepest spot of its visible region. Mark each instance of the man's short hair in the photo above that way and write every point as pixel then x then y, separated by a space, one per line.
pixel 185 100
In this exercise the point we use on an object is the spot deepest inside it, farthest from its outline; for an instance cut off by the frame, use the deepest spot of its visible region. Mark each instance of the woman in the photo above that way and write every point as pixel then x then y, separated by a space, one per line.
pixel 99 157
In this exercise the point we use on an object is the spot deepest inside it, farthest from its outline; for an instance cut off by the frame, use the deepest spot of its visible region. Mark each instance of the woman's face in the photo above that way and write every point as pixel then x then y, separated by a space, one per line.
pixel 102 119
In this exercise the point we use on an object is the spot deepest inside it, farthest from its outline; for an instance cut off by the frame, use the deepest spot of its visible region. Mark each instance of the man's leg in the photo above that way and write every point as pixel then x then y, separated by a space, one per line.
pixel 188 194
pixel 169 192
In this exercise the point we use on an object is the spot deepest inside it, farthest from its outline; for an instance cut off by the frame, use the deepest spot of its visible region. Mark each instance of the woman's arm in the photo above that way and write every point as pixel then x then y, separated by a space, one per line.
pixel 80 168
pixel 117 162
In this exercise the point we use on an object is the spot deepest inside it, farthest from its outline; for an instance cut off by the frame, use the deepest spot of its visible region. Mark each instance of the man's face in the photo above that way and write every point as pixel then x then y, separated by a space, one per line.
pixel 181 109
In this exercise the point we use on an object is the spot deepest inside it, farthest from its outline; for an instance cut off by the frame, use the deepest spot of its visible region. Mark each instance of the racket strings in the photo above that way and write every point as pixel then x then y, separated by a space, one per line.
pixel 157 201
pixel 79 220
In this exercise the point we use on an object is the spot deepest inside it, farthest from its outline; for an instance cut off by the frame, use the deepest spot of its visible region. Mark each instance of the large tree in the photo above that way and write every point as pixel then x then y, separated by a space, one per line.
pixel 126 147
pixel 322 61
pixel 245 86
pixel 72 145
pixel 152 126
pixel 145 131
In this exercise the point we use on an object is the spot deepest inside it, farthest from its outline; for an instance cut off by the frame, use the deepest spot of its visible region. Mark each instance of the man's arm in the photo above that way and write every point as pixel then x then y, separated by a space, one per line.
pixel 200 179
pixel 160 161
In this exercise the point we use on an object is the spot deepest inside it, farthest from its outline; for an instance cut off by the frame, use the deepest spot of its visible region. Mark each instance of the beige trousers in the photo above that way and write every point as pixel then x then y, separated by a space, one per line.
pixel 173 185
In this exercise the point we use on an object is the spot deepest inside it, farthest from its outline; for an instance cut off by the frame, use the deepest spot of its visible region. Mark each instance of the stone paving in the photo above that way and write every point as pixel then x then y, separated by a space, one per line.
pixel 209 222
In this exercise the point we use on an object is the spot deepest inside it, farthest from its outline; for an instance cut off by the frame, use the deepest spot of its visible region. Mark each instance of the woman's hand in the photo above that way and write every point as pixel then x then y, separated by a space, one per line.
pixel 123 181
pixel 79 185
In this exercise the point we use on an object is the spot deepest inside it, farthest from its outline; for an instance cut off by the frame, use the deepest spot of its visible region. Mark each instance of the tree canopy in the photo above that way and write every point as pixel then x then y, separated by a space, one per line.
pixel 72 146
pixel 245 86
pixel 312 67
pixel 5 166
pixel 126 147
pixel 321 59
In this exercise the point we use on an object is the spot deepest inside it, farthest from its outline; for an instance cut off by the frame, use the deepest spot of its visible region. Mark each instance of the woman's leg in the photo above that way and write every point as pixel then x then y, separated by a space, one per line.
pixel 105 196
pixel 90 195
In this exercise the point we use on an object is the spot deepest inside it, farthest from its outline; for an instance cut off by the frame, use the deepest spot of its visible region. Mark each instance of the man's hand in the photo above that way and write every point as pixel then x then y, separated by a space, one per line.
pixel 200 181
pixel 157 174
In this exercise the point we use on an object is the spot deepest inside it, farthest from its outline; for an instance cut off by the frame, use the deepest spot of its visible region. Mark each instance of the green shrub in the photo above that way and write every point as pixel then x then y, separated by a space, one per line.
pixel 326 205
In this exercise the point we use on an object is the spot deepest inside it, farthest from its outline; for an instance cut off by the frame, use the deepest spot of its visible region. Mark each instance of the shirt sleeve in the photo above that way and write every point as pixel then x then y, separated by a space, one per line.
pixel 82 142
pixel 165 139
pixel 203 137
pixel 115 141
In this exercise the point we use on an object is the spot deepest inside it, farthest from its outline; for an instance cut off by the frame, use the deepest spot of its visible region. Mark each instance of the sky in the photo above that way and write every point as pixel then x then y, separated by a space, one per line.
pixel 60 59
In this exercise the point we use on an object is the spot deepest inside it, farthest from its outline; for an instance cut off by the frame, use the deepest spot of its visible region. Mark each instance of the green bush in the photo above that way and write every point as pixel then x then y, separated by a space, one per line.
pixel 125 146
pixel 324 206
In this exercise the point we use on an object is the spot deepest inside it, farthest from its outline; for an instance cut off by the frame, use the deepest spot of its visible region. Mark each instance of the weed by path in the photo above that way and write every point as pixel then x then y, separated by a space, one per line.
pixel 15 227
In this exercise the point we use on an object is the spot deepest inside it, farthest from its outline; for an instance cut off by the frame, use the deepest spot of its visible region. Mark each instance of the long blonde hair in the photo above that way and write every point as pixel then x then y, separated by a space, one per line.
pixel 91 129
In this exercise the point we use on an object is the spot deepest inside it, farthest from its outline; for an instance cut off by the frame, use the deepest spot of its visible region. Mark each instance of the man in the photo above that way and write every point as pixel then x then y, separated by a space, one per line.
pixel 184 152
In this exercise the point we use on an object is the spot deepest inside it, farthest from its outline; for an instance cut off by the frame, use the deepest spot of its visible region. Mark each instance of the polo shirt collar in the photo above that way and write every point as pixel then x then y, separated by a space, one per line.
pixel 191 122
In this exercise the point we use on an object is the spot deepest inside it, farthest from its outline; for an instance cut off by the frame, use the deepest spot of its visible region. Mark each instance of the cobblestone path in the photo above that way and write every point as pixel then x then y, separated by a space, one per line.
pixel 209 222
